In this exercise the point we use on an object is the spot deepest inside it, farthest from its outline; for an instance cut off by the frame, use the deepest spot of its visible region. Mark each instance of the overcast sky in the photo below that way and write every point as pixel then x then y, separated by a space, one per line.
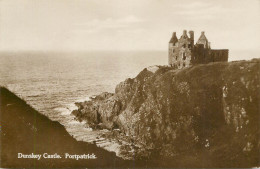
pixel 126 24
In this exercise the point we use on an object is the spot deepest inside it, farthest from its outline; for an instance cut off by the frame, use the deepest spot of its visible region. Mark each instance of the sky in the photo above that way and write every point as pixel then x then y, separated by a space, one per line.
pixel 87 25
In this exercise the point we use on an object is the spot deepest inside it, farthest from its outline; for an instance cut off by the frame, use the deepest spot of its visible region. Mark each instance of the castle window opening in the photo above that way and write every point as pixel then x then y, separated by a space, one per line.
pixel 184 56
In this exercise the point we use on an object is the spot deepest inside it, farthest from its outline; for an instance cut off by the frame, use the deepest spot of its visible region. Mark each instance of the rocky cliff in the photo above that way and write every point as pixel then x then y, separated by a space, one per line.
pixel 201 116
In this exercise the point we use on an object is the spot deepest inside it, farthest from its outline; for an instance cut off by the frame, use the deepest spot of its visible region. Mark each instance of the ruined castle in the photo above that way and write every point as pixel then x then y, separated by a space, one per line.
pixel 183 52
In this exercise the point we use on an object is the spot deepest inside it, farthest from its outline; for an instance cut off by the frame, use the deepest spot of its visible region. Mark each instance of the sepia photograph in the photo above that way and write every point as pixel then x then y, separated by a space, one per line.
pixel 129 84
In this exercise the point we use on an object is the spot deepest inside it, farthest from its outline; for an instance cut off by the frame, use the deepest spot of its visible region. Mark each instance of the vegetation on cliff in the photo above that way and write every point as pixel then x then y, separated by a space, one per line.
pixel 200 116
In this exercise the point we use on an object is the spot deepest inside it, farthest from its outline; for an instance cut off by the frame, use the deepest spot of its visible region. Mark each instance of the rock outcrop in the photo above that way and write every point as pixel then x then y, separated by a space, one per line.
pixel 201 116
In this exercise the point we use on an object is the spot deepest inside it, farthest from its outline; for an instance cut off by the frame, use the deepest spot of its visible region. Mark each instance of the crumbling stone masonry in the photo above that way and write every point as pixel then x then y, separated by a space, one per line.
pixel 183 52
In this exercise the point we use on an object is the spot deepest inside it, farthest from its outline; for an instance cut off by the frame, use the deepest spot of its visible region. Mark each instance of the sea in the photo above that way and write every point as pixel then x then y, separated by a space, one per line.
pixel 51 82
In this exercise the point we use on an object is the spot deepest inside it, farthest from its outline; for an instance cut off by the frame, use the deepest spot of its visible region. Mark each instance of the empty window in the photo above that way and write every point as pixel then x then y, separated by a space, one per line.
pixel 172 50
pixel 184 56
pixel 176 57
pixel 183 64
pixel 184 45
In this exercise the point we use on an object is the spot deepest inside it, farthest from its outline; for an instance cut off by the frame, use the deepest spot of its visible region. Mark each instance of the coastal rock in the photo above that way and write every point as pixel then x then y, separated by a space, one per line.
pixel 202 114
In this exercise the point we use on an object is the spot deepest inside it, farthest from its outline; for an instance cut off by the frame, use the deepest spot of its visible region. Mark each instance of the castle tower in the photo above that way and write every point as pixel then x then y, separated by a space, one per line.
pixel 203 40
pixel 173 43
pixel 179 55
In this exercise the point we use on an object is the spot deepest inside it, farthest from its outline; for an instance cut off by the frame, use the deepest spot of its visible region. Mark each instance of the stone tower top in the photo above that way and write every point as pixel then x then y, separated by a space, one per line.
pixel 174 38
pixel 184 35
pixel 203 40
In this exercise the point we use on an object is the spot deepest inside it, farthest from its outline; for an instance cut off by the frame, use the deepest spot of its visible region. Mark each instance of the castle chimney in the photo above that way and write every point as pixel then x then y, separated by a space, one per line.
pixel 192 37
pixel 184 32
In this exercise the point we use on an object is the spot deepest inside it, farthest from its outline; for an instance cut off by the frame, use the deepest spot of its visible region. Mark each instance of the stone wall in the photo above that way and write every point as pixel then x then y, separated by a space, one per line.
pixel 200 55
pixel 220 55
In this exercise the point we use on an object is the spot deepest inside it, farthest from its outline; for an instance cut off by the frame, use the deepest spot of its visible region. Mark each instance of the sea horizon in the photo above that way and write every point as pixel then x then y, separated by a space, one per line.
pixel 234 54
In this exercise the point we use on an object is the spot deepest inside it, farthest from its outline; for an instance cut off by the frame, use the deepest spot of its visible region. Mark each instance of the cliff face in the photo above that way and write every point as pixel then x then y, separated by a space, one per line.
pixel 201 116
